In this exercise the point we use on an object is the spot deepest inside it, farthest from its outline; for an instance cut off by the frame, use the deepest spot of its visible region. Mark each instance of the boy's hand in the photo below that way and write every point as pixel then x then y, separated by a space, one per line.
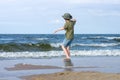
pixel 73 19
pixel 55 32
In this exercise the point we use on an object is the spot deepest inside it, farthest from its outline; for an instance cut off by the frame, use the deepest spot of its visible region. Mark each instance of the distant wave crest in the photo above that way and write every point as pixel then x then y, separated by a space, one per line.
pixel 97 45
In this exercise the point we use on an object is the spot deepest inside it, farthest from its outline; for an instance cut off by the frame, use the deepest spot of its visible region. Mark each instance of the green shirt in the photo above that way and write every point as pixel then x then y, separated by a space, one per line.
pixel 69 27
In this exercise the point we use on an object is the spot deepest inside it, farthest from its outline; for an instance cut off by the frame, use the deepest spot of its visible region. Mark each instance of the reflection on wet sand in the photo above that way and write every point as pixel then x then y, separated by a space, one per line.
pixel 68 65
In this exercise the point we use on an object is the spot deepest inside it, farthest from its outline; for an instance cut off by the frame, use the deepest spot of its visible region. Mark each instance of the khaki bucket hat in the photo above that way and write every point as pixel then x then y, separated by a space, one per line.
pixel 67 16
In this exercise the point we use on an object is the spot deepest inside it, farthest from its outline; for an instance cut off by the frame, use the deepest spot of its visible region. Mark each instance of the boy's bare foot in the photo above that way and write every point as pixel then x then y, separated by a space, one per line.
pixel 67 59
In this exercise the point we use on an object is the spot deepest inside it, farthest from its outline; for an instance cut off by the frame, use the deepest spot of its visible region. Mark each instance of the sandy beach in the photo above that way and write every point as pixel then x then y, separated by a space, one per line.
pixel 74 76
pixel 65 75
pixel 84 68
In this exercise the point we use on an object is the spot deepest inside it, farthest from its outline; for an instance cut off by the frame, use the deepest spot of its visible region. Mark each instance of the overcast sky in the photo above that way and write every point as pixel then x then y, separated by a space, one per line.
pixel 44 16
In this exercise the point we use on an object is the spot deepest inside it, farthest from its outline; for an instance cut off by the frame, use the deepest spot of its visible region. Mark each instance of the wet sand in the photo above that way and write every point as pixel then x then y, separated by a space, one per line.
pixel 69 75
pixel 22 66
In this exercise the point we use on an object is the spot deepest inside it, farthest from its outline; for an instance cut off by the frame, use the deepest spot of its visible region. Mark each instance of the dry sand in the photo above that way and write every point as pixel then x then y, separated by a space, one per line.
pixel 74 76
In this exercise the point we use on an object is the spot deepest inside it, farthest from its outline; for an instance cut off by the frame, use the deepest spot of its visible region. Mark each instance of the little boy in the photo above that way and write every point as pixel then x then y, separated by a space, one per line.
pixel 69 35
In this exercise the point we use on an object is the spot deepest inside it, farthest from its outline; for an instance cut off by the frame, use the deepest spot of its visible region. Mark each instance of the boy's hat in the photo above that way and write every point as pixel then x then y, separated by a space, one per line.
pixel 67 16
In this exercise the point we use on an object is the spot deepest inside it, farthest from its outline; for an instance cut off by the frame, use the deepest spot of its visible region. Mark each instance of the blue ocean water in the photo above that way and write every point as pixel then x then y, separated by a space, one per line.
pixel 48 45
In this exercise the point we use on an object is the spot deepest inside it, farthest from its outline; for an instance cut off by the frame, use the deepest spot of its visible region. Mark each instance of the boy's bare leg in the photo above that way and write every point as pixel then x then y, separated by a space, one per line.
pixel 66 52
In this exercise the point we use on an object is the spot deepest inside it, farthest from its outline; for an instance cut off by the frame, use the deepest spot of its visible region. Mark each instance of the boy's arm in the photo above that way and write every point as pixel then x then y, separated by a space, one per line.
pixel 73 20
pixel 60 29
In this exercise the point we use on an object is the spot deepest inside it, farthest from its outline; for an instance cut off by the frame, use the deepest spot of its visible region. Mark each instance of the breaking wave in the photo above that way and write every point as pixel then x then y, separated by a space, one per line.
pixel 17 47
pixel 97 45
pixel 21 47
pixel 112 37
pixel 49 54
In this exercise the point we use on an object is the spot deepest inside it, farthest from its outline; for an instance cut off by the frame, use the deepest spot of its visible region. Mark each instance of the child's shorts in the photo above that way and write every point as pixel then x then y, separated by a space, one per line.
pixel 67 42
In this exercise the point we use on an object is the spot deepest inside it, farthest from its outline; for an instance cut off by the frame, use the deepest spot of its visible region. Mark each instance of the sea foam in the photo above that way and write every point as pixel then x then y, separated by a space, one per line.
pixel 48 54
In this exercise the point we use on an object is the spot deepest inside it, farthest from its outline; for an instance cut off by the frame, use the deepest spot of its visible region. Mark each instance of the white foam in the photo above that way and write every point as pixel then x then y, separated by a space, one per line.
pixel 59 53
pixel 99 45
pixel 96 37
pixel 6 39
pixel 56 44
pixel 89 45
pixel 97 53
pixel 112 37
pixel 41 38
